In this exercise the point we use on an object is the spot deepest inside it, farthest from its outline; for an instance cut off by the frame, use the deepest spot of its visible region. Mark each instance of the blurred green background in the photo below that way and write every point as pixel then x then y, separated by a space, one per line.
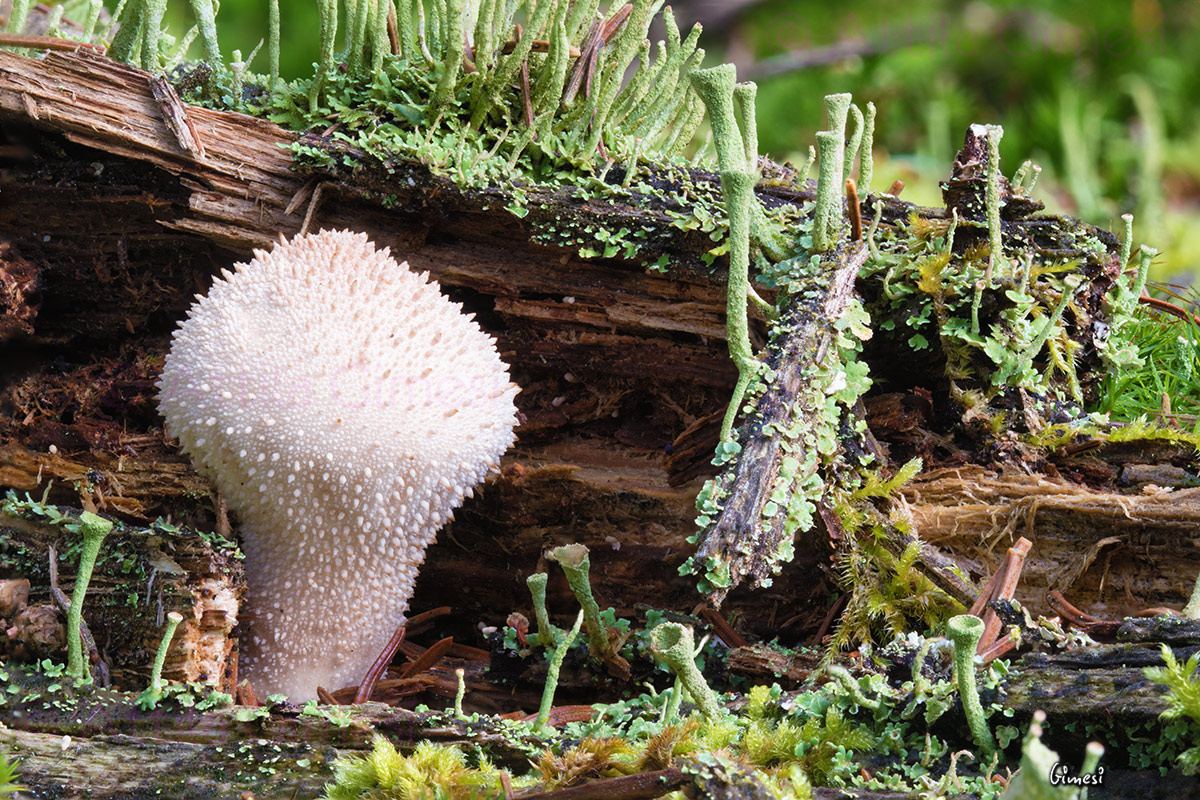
pixel 1101 94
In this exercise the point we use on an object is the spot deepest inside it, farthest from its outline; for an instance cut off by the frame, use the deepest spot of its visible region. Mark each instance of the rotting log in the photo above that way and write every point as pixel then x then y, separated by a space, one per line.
pixel 1109 553
pixel 743 536
pixel 108 227
pixel 185 753
pixel 122 227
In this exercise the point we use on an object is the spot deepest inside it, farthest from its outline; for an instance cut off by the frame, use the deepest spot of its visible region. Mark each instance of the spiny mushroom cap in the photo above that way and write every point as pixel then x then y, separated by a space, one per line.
pixel 343 407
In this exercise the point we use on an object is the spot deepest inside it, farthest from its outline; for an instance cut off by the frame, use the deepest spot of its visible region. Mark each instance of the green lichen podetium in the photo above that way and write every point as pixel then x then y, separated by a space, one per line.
pixel 673 643
pixel 547 633
pixel 472 94
pixel 727 104
pixel 556 662
pixel 965 632
pixel 154 692
pixel 93 528
pixel 996 256
pixel 576 564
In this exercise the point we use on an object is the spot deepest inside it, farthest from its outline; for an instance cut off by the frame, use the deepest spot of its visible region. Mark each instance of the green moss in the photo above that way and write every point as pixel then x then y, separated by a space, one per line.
pixel 1183 700
pixel 431 770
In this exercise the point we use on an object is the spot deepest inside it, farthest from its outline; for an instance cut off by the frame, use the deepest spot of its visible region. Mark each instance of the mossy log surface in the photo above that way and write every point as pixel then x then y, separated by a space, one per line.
pixel 108 228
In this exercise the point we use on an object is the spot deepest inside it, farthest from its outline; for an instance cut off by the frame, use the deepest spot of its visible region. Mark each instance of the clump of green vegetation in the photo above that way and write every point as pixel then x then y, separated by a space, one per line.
pixel 1163 381
pixel 431 770
pixel 1183 700
pixel 476 91
pixel 9 785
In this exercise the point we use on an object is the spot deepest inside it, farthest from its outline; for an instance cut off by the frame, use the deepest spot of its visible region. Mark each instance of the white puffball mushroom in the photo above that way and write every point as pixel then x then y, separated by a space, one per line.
pixel 343 407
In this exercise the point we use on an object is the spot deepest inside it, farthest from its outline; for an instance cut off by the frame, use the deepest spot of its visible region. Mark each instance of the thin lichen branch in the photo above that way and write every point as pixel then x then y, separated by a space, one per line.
pixel 93 528
pixel 674 645
pixel 154 692
pixel 996 256
pixel 866 159
pixel 556 662
pixel 547 633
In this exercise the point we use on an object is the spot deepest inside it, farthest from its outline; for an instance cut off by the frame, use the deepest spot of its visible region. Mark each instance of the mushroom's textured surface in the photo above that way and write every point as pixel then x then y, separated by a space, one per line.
pixel 343 407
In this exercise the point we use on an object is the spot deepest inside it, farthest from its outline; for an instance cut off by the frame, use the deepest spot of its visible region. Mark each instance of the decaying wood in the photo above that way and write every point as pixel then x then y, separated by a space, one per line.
pixel 122 227
pixel 110 221
pixel 742 535
pixel 1109 554
pixel 184 753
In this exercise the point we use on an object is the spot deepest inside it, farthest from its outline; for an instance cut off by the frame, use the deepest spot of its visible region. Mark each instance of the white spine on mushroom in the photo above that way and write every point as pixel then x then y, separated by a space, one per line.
pixel 343 407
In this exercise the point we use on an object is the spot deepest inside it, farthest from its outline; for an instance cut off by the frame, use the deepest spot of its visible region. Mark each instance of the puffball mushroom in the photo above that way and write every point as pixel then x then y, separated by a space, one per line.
pixel 343 408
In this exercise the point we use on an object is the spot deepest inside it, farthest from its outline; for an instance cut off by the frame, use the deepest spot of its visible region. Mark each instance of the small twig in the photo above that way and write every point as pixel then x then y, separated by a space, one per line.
pixel 722 628
pixel 600 34
pixel 1170 308
pixel 1002 586
pixel 827 623
pixel 525 94
pixel 245 694
pixel 853 208
pixel 1002 646
pixel 561 715
pixel 1080 619
pixel 539 46
pixel 419 622
pixel 385 656
pixel 46 43
pixel 302 194
pixel 428 658
pixel 644 786
pixel 312 207
pixel 393 30
pixel 896 188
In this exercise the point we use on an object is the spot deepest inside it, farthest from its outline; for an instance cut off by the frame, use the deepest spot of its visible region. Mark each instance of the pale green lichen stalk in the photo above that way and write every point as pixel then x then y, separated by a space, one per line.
pixel 17 17
pixel 856 135
pixel 154 692
pixel 824 231
pixel 866 161
pixel 996 257
pixel 673 644
pixel 547 633
pixel 273 43
pixel 736 155
pixel 1192 609
pixel 460 674
pixel 965 632
pixel 556 662
pixel 576 564
pixel 93 528
pixel 831 171
pixel 1033 781
pixel 206 20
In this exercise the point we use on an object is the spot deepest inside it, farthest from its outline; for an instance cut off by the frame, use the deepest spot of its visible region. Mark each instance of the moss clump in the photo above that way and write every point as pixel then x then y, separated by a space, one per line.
pixel 430 771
